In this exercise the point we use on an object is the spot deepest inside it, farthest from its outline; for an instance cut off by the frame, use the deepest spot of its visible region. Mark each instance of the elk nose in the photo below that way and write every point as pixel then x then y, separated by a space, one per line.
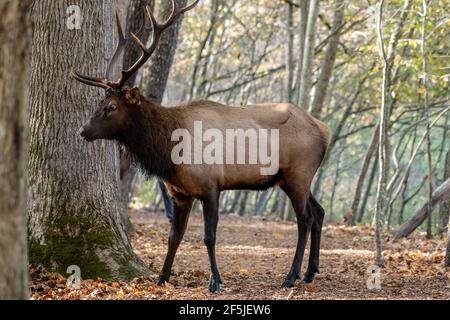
pixel 82 132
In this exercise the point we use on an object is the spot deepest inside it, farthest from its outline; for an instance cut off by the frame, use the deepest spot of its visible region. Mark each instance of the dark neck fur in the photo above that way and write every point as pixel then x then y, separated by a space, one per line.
pixel 148 138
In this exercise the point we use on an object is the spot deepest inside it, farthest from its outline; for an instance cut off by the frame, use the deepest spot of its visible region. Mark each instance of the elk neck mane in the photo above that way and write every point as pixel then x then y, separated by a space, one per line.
pixel 148 138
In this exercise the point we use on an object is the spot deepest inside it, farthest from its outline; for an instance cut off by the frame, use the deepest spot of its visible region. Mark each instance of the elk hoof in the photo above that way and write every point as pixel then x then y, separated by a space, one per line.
pixel 309 275
pixel 288 283
pixel 308 278
pixel 214 284
pixel 162 279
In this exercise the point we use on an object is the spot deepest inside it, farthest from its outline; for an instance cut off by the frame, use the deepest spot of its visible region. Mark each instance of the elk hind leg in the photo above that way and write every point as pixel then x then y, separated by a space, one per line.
pixel 211 218
pixel 316 232
pixel 304 223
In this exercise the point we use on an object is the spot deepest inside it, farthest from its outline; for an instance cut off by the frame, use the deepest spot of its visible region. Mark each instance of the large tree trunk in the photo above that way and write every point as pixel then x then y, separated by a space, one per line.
pixel 14 40
pixel 440 194
pixel 74 209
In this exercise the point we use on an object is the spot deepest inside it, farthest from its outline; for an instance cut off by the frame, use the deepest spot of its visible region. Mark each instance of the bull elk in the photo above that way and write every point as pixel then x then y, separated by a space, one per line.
pixel 145 129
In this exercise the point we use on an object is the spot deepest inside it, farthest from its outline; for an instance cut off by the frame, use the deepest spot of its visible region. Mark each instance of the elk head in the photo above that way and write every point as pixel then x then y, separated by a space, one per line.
pixel 111 116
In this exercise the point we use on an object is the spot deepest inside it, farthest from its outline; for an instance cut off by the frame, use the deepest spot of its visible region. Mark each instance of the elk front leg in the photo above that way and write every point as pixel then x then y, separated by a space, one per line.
pixel 182 207
pixel 211 217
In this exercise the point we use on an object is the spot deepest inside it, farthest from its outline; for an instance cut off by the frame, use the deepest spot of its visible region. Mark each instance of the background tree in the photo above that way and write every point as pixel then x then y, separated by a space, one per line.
pixel 74 209
pixel 14 58
pixel 154 79
pixel 135 22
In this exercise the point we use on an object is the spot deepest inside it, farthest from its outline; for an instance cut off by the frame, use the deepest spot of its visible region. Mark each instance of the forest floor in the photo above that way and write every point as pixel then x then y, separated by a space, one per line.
pixel 254 256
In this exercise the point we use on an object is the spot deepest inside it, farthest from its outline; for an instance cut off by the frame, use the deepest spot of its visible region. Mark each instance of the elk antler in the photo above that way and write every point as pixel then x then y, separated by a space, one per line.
pixel 146 52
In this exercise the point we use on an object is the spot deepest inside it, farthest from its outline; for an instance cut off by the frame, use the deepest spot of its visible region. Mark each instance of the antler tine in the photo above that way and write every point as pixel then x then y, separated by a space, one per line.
pixel 146 52
pixel 121 43
pixel 176 13
pixel 91 81
pixel 157 32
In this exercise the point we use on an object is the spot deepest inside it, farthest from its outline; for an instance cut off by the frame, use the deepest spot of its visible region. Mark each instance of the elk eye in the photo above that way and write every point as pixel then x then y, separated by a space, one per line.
pixel 111 108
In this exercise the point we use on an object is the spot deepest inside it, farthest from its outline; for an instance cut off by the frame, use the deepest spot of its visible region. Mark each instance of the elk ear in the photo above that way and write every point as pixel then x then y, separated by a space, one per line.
pixel 132 96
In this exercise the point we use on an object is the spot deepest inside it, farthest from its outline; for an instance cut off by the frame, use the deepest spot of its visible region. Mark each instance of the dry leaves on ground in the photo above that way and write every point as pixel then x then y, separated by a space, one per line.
pixel 254 255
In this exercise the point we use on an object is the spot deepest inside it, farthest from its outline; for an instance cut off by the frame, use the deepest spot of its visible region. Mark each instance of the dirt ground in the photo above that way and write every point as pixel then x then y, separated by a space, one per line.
pixel 254 256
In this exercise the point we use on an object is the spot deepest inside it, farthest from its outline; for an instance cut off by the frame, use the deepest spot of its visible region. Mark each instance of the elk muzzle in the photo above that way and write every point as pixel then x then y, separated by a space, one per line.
pixel 86 132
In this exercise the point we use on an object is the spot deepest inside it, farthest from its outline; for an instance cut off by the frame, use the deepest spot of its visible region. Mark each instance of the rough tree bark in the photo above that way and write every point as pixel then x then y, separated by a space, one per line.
pixel 308 57
pixel 14 41
pixel 74 202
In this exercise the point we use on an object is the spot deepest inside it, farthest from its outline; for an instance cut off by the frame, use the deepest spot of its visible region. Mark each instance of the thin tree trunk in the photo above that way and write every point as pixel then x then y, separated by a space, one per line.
pixel 308 57
pixel 208 39
pixel 281 205
pixel 382 139
pixel 243 203
pixel 262 202
pixel 157 69
pixel 276 196
pixel 445 207
pixel 74 202
pixel 427 116
pixel 288 211
pixel 304 8
pixel 335 184
pixel 403 199
pixel 328 61
pixel 335 136
pixel 14 62
pixel 376 132
pixel 362 207
pixel 289 52
pixel 447 254
pixel 371 150
pixel 234 205
pixel 385 112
